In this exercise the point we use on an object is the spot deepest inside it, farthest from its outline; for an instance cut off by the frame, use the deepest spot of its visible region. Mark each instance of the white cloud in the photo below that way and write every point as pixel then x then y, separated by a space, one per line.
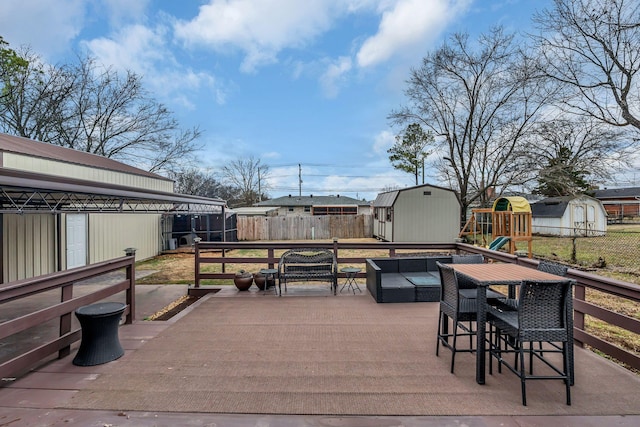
pixel 48 26
pixel 407 25
pixel 259 29
pixel 135 48
pixel 144 51
pixel 334 76
pixel 383 141
pixel 125 11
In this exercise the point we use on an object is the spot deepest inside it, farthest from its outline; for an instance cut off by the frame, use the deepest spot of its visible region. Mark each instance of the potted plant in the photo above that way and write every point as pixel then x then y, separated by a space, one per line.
pixel 259 280
pixel 243 280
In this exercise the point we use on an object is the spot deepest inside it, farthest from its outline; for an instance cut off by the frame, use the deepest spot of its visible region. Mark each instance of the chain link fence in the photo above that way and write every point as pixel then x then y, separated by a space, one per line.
pixel 615 248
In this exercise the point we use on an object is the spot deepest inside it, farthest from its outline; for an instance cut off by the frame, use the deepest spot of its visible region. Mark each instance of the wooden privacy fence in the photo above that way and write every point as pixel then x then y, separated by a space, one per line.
pixel 305 227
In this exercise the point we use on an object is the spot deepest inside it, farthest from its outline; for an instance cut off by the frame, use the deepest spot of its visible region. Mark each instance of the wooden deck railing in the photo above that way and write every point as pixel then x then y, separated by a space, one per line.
pixel 584 280
pixel 62 311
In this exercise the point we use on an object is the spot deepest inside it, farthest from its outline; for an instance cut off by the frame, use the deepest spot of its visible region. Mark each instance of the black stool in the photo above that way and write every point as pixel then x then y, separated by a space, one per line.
pixel 100 343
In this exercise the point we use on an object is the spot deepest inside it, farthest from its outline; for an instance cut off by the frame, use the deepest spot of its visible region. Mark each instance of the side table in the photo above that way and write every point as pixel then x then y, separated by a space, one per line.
pixel 269 274
pixel 100 342
pixel 350 281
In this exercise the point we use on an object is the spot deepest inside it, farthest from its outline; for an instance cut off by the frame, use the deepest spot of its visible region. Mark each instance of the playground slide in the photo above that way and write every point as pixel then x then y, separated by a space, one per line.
pixel 498 243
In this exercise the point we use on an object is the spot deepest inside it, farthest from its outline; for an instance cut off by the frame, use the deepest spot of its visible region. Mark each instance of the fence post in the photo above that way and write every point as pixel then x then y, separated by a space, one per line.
pixel 131 289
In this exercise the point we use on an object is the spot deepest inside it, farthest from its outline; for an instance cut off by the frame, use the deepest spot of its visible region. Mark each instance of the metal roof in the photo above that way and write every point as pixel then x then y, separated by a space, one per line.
pixel 16 144
pixel 27 192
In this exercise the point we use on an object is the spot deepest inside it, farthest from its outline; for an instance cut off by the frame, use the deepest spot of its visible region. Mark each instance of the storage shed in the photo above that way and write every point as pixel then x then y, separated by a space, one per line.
pixel 424 213
pixel 62 208
pixel 569 216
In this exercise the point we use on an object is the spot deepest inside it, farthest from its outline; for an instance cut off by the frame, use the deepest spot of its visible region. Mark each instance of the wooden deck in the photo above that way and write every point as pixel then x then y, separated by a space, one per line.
pixel 147 386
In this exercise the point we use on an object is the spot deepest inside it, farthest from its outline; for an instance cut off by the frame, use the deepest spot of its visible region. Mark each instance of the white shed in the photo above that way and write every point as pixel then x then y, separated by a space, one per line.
pixel 569 216
pixel 424 213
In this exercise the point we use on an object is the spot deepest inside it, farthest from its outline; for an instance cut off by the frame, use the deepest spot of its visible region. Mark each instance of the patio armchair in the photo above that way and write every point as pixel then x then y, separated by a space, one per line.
pixel 541 315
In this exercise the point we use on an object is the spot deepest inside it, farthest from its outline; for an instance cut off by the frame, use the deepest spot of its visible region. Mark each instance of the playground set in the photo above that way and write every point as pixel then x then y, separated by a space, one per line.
pixel 508 222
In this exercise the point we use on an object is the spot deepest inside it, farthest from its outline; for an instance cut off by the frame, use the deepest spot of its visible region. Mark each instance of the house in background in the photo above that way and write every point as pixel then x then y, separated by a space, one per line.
pixel 317 205
pixel 62 208
pixel 257 211
pixel 620 202
pixel 424 213
pixel 569 216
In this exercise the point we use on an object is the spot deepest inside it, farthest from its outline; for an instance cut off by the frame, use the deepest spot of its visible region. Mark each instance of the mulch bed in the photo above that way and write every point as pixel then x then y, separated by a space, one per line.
pixel 174 308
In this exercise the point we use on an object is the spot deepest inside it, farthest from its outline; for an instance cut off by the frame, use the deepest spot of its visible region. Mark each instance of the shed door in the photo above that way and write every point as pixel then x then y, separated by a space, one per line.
pixel 76 240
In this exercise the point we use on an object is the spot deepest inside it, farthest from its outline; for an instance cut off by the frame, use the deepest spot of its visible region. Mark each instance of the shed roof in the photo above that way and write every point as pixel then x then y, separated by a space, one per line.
pixel 388 198
pixel 552 207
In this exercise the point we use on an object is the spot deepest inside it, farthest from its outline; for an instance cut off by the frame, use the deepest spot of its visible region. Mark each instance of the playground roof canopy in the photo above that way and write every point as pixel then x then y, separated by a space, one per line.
pixel 512 203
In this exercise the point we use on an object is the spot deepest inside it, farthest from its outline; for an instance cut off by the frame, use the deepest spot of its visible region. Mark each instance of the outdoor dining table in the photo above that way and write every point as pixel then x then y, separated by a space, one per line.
pixel 512 275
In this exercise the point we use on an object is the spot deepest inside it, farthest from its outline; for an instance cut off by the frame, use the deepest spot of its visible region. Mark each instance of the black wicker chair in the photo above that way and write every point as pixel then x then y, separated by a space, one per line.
pixel 547 267
pixel 459 309
pixel 468 289
pixel 553 268
pixel 541 315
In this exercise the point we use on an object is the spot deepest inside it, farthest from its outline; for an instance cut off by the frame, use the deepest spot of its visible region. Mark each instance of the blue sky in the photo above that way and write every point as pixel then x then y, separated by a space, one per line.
pixel 303 85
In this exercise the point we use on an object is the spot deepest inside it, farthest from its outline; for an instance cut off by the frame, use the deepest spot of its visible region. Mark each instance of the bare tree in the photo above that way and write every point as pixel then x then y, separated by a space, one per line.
pixel 479 100
pixel 202 183
pixel 591 48
pixel 34 97
pixel 571 156
pixel 250 176
pixel 94 109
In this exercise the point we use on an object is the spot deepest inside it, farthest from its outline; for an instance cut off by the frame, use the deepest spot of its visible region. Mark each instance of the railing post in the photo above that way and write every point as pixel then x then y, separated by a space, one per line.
pixel 131 289
pixel 197 265
pixel 578 317
pixel 65 319
pixel 335 248
pixel 270 255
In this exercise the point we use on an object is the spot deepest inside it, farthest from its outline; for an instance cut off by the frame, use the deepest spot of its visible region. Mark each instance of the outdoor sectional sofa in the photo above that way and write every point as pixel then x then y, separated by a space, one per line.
pixel 411 279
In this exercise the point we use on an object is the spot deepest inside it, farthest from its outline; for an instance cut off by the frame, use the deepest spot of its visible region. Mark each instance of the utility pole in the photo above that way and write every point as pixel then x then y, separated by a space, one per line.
pixel 259 186
pixel 299 180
